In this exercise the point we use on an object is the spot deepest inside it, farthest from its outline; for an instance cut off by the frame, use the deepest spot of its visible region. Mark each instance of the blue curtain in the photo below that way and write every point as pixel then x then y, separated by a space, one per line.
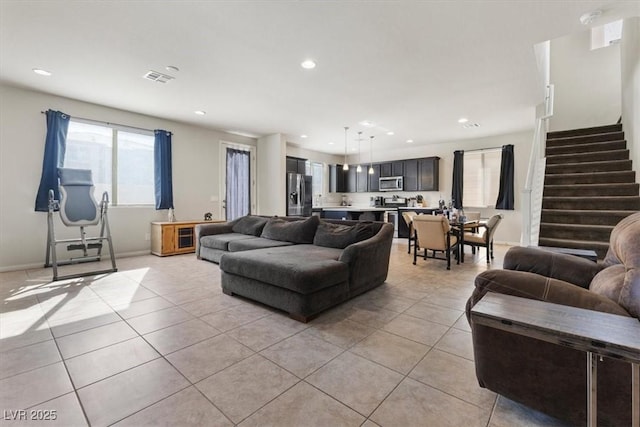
pixel 54 148
pixel 238 194
pixel 507 190
pixel 162 169
pixel 458 178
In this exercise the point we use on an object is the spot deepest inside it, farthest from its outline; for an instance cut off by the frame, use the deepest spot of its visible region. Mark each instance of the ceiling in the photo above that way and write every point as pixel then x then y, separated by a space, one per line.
pixel 413 68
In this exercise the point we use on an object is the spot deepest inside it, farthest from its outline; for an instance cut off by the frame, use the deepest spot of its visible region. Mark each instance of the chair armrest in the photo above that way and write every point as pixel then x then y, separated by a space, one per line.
pixel 533 286
pixel 210 229
pixel 568 268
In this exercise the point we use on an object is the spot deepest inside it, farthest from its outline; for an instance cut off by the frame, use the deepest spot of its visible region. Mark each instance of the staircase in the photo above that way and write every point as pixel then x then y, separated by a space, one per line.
pixel 589 187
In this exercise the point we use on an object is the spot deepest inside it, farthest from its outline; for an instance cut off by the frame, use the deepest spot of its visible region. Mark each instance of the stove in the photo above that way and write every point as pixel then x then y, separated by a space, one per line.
pixel 395 202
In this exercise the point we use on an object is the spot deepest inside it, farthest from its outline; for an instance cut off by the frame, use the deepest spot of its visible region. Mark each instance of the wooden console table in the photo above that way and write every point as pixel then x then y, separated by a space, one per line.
pixel 172 238
pixel 594 332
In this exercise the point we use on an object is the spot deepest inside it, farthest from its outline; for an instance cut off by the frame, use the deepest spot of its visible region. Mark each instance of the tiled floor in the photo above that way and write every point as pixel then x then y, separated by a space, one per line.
pixel 159 344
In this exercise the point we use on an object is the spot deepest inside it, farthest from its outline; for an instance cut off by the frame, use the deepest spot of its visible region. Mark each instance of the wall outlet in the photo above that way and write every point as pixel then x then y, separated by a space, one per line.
pixel 147 236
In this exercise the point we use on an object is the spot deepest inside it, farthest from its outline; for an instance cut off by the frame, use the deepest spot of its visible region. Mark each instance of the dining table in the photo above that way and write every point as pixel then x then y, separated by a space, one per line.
pixel 458 228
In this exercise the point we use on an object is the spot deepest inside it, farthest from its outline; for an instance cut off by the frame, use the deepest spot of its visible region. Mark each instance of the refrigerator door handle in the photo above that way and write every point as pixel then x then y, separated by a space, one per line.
pixel 302 196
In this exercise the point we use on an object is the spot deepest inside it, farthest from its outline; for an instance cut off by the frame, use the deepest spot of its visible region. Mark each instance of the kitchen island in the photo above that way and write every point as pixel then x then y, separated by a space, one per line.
pixel 355 213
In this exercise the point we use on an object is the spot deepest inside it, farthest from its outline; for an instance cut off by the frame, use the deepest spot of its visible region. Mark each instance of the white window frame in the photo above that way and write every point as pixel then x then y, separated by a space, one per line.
pixel 490 181
pixel 115 128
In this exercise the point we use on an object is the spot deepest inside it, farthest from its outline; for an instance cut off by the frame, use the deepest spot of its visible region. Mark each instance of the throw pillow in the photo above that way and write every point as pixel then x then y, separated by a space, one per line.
pixel 300 231
pixel 340 236
pixel 250 225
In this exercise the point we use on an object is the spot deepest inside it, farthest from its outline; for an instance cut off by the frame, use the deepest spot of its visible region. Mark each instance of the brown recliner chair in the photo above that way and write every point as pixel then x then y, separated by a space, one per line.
pixel 548 377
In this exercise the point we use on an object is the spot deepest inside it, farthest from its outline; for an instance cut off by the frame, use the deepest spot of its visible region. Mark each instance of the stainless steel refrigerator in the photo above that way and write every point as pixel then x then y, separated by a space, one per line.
pixel 299 194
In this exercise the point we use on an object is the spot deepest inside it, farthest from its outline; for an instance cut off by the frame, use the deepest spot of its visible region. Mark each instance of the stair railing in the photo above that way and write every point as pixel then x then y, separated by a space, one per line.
pixel 532 193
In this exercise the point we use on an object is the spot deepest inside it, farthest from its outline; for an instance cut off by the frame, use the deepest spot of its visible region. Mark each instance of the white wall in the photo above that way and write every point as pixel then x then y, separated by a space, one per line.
pixel 272 170
pixel 587 83
pixel 511 227
pixel 23 231
pixel 630 71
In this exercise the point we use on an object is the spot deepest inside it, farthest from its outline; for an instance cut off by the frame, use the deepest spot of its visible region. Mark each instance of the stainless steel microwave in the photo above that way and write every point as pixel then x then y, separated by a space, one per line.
pixel 391 183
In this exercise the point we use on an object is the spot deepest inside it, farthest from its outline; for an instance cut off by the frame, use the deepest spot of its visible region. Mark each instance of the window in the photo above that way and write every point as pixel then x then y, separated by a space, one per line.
pixel 606 35
pixel 481 178
pixel 317 174
pixel 121 160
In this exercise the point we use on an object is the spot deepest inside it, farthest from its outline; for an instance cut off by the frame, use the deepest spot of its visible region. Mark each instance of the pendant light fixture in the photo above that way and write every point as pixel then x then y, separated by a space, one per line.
pixel 345 167
pixel 371 155
pixel 359 168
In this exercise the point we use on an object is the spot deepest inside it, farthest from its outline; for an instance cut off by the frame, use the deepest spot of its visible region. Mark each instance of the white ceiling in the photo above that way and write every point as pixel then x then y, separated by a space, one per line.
pixel 410 67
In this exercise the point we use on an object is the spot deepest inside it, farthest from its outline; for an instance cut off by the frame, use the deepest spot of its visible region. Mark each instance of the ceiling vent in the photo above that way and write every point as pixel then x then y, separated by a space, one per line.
pixel 470 125
pixel 155 76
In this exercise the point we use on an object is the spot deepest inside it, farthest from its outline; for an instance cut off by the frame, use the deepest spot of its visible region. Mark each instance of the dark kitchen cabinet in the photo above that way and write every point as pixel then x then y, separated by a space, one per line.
pixel 362 180
pixel 351 180
pixel 386 169
pixel 429 174
pixel 374 178
pixel 397 168
pixel 337 182
pixel 411 175
pixel 296 165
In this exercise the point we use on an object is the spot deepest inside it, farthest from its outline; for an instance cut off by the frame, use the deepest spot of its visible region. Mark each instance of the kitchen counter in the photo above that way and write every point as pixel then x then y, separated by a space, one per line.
pixel 355 213
pixel 357 209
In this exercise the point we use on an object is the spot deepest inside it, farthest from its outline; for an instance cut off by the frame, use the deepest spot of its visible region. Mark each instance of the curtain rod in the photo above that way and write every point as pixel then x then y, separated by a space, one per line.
pixel 483 149
pixel 106 123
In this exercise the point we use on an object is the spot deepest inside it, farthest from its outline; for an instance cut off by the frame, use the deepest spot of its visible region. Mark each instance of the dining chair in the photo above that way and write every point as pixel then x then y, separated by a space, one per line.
pixel 433 233
pixel 484 236
pixel 408 218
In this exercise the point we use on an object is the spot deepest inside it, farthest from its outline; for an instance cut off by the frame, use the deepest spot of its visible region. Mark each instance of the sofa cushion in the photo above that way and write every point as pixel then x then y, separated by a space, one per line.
pixel 300 231
pixel 255 243
pixel 340 236
pixel 249 224
pixel 221 241
pixel 284 267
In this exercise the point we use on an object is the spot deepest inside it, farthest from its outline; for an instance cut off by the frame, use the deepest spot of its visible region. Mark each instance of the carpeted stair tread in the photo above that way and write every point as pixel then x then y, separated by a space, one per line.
pixel 587 147
pixel 597 156
pixel 593 217
pixel 585 131
pixel 592 190
pixel 571 140
pixel 577 231
pixel 606 166
pixel 591 177
pixel 601 248
pixel 601 203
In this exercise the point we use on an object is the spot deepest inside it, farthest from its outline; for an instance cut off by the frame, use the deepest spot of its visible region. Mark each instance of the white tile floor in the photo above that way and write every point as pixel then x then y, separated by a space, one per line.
pixel 159 344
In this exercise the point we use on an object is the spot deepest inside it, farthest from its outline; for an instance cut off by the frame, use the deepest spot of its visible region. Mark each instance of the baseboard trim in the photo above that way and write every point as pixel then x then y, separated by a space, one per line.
pixel 31 266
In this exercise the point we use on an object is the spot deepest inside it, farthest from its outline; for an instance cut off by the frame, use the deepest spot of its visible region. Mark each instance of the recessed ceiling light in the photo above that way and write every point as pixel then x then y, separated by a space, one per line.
pixel 200 112
pixel 390 133
pixel 366 123
pixel 308 64
pixel 409 141
pixel 463 120
pixel 172 68
pixel 304 136
pixel 41 72
pixel 331 143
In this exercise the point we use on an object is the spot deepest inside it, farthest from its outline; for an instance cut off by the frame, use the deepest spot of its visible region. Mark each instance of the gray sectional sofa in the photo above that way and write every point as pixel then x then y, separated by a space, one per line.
pixel 300 265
